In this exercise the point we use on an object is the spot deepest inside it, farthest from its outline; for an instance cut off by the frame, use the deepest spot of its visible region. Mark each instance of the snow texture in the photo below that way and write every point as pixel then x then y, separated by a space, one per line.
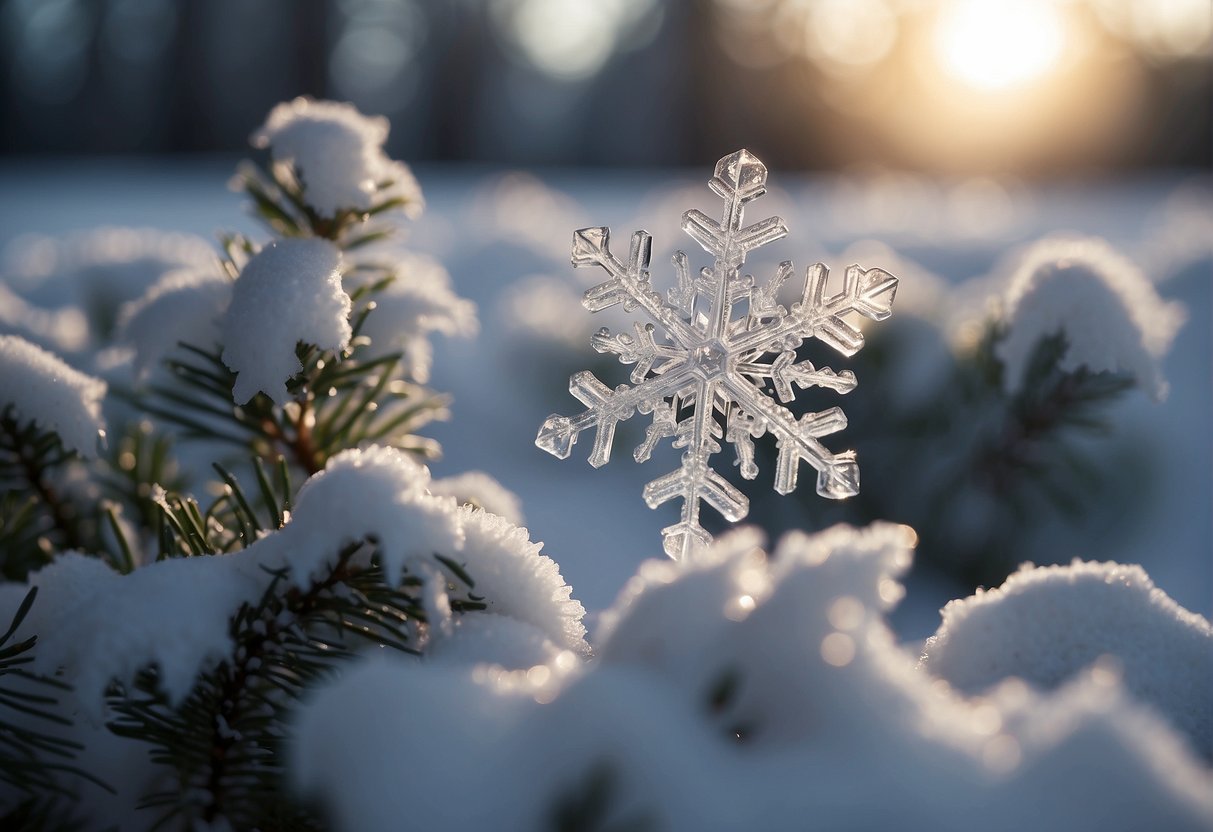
pixel 1109 312
pixel 479 490
pixel 493 639
pixel 96 626
pixel 1046 625
pixel 706 361
pixel 376 492
pixel 836 722
pixel 336 154
pixel 289 292
pixel 419 302
pixel 181 308
pixel 517 580
pixel 40 388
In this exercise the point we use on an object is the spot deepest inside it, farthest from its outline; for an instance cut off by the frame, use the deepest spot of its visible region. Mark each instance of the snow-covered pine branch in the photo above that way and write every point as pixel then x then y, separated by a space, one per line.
pixel 1109 314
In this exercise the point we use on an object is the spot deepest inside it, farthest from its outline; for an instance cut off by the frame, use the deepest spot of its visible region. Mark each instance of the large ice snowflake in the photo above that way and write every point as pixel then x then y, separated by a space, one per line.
pixel 706 377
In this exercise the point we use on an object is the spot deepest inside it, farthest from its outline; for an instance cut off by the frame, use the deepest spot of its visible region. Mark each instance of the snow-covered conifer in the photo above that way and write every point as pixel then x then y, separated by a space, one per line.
pixel 336 154
pixel 1109 313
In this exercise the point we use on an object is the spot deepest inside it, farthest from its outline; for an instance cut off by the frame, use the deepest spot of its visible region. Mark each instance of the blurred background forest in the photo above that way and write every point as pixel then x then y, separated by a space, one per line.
pixel 1032 87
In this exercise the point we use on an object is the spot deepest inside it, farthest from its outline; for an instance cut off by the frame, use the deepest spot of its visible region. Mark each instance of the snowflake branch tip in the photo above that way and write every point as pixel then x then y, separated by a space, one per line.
pixel 716 358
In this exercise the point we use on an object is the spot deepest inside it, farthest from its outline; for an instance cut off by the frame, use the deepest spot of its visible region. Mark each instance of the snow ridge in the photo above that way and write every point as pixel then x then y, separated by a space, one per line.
pixel 96 626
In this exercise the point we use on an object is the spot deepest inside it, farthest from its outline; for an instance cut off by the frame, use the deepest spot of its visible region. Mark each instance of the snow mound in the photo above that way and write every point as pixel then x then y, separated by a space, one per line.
pixel 336 153
pixel 374 492
pixel 1047 624
pixel 288 292
pixel 419 302
pixel 478 489
pixel 40 388
pixel 96 626
pixel 1108 311
pixel 742 691
pixel 181 307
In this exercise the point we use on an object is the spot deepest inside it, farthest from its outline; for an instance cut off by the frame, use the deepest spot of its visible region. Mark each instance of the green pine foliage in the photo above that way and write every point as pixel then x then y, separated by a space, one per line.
pixel 221 746
pixel 1043 449
pixel 33 755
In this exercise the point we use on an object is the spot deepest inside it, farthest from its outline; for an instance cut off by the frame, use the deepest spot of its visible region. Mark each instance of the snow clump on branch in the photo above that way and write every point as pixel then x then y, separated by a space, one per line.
pixel 97 626
pixel 40 388
pixel 1109 313
pixel 288 292
pixel 336 154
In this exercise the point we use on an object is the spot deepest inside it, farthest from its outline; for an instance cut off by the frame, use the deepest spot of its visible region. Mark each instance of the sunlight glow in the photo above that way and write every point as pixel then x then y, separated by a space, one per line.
pixel 571 40
pixel 999 44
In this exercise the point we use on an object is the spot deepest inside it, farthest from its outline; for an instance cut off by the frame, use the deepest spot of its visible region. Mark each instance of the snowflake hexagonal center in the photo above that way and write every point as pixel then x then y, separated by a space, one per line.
pixel 709 361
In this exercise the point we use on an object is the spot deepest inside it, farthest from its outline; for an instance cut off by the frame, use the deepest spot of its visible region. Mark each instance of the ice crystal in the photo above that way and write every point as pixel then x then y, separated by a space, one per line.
pixel 704 363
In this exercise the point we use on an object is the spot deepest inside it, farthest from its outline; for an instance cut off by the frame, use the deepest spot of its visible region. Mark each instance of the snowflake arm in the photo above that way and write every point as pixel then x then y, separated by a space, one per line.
pixel 702 361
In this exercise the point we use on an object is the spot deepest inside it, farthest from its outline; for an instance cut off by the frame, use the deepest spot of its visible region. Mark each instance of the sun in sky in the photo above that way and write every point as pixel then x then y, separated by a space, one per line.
pixel 995 45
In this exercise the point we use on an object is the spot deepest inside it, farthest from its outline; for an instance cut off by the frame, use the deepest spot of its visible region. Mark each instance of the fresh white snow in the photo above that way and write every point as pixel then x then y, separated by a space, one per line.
pixel 96 626
pixel 41 388
pixel 290 291
pixel 1046 625
pixel 181 307
pixel 337 155
pixel 1108 311
pixel 836 722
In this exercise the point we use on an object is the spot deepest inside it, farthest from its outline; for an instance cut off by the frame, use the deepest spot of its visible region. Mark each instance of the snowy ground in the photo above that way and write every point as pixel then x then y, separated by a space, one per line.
pixel 494 230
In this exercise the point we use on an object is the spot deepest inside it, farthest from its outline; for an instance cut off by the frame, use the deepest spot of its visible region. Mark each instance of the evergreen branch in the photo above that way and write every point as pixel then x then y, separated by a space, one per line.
pixel 31 759
pixel 224 741
pixel 34 528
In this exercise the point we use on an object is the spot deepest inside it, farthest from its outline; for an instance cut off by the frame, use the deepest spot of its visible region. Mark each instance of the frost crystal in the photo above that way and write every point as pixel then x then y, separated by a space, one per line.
pixel 705 376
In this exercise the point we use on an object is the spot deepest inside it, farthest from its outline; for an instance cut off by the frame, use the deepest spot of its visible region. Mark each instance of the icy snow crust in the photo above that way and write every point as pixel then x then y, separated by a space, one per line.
pixel 40 388
pixel 1108 311
pixel 791 654
pixel 97 626
pixel 288 292
pixel 1046 625
pixel 337 155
